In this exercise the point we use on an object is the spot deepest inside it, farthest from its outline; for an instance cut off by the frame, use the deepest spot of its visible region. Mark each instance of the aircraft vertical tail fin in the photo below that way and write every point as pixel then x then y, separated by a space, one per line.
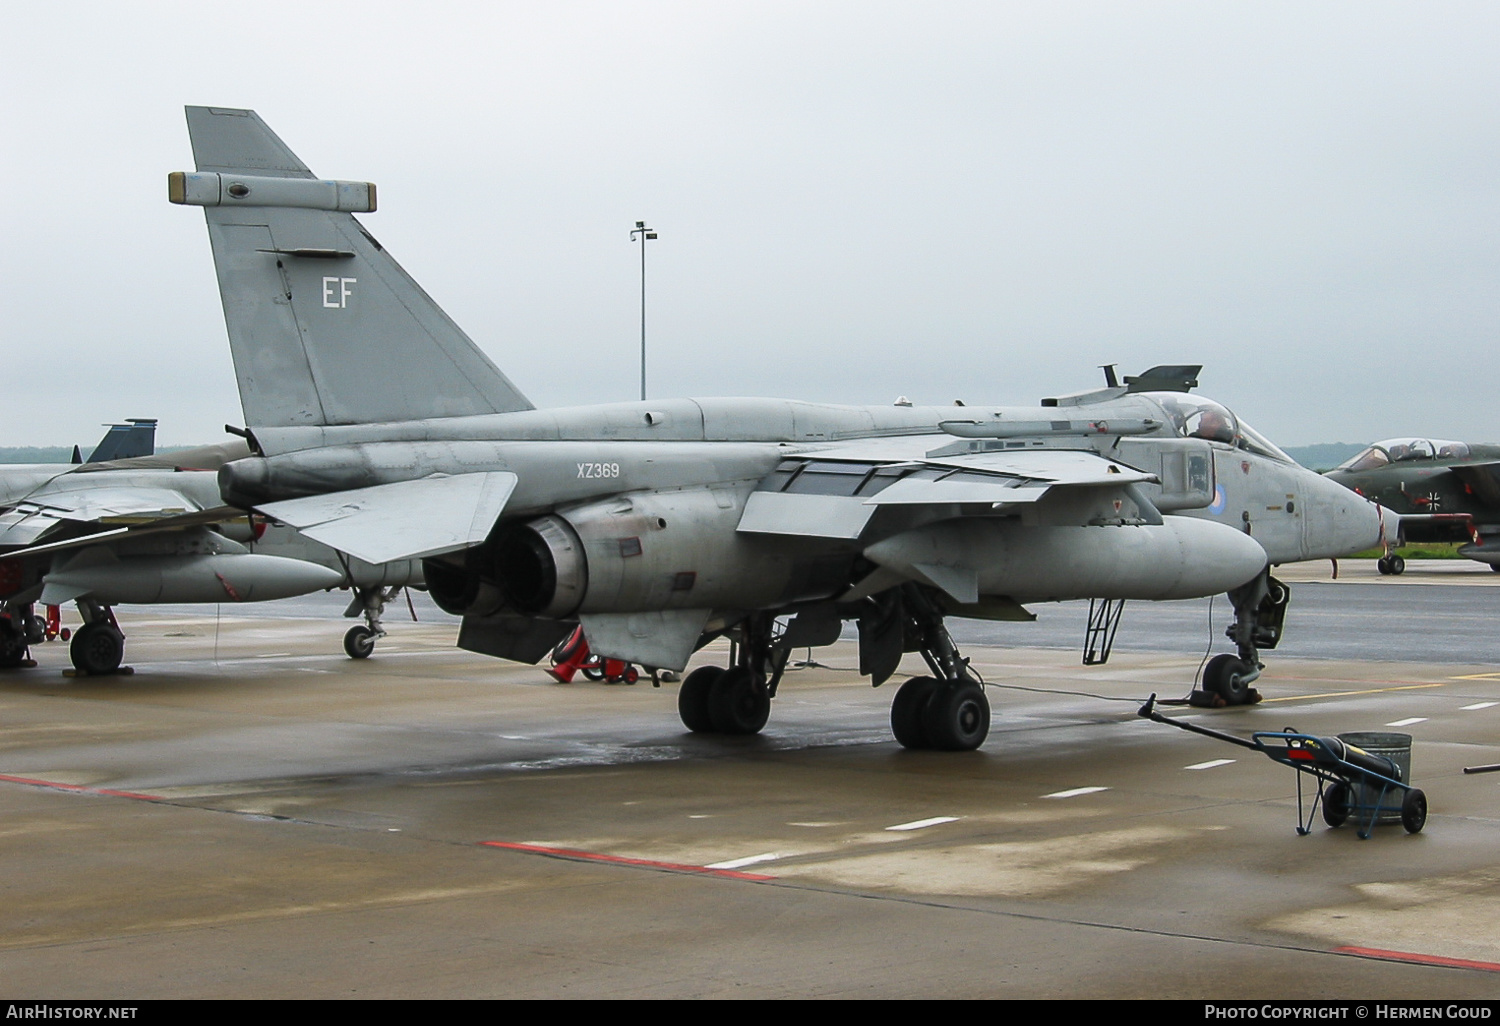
pixel 135 437
pixel 324 326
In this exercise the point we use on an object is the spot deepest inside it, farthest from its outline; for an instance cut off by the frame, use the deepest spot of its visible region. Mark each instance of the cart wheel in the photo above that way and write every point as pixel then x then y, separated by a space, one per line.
pixel 1414 810
pixel 1336 804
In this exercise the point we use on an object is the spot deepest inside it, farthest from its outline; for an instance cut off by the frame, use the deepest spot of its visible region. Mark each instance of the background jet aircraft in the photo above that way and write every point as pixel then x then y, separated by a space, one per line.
pixel 64 537
pixel 380 429
pixel 1444 492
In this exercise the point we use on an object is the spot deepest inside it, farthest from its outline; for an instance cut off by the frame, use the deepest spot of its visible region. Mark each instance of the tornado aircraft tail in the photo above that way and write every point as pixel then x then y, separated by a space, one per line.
pixel 325 327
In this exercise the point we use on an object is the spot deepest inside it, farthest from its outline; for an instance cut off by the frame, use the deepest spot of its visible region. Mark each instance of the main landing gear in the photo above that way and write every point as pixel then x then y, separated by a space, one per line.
pixel 948 711
pixel 736 700
pixel 1259 612
pixel 1391 566
pixel 359 640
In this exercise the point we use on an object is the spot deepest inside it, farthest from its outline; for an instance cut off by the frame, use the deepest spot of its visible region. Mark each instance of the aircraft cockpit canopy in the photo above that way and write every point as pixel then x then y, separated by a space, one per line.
pixel 1192 416
pixel 1403 450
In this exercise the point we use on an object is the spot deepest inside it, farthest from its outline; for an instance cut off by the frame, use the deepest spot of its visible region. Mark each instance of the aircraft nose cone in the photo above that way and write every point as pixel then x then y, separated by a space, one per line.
pixel 1341 522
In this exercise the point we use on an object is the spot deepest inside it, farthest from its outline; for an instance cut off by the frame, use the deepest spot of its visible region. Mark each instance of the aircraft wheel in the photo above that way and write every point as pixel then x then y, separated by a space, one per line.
pixel 97 648
pixel 692 698
pixel 12 646
pixel 1398 565
pixel 957 717
pixel 1383 564
pixel 36 630
pixel 1414 811
pixel 737 703
pixel 1225 677
pixel 1336 804
pixel 907 709
pixel 359 642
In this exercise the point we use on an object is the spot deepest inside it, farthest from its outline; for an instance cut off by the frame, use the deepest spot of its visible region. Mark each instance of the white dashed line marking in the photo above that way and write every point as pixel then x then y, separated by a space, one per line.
pixel 922 823
pixel 1478 705
pixel 1212 763
pixel 1075 792
pixel 1407 722
pixel 748 860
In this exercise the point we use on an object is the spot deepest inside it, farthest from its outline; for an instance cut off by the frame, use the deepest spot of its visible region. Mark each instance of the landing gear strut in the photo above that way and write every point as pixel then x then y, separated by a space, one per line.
pixel 948 711
pixel 1259 612
pixel 359 640
pixel 737 700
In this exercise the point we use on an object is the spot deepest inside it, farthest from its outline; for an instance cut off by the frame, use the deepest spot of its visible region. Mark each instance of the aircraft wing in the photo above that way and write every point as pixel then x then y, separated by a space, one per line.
pixel 1483 480
pixel 405 520
pixel 30 519
pixel 834 492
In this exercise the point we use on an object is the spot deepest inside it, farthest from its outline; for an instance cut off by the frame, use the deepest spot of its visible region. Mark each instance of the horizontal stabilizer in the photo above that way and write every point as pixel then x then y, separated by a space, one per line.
pixel 405 520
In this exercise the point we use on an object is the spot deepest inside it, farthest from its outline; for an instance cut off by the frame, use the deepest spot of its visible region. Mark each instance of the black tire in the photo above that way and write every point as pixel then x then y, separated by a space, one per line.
pixel 1414 811
pixel 907 709
pixel 692 699
pixel 1398 565
pixel 97 649
pixel 593 668
pixel 1383 564
pixel 957 717
pixel 13 647
pixel 36 630
pixel 359 642
pixel 1225 676
pixel 738 703
pixel 1336 804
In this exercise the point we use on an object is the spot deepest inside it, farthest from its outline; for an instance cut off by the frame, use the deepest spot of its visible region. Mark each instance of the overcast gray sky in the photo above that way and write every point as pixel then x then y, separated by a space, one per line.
pixel 856 200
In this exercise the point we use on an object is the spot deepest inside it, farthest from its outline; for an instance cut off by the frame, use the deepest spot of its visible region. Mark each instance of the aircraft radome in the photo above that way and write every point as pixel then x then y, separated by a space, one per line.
pixel 660 525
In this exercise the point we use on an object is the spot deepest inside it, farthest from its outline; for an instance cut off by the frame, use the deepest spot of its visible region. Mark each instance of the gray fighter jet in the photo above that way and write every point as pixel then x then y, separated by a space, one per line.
pixel 153 529
pixel 380 429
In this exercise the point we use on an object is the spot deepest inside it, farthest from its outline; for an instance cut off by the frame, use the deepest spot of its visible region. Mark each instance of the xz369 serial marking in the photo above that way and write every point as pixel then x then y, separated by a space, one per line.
pixel 598 470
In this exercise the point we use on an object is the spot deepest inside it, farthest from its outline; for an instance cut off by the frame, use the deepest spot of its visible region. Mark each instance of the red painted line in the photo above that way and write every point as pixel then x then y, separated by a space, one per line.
pixel 56 786
pixel 620 860
pixel 1408 956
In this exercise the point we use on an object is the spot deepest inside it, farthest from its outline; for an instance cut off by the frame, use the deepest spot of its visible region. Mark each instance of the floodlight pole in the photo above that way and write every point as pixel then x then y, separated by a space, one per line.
pixel 645 234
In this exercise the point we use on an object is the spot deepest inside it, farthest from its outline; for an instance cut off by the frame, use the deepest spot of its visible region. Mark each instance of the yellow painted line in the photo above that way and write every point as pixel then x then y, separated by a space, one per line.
pixel 1366 691
pixel 1493 675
